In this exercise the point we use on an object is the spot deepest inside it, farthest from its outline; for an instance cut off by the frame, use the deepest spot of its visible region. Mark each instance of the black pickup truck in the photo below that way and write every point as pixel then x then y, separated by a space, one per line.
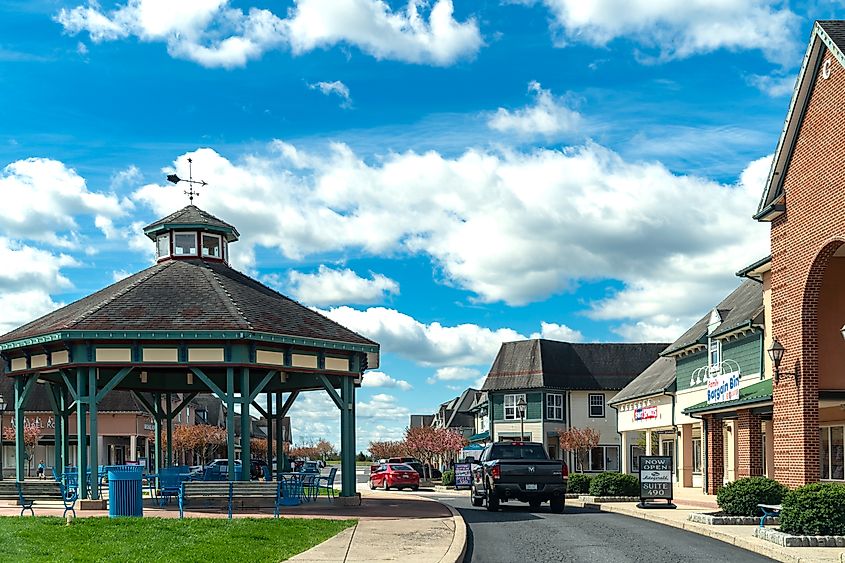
pixel 519 471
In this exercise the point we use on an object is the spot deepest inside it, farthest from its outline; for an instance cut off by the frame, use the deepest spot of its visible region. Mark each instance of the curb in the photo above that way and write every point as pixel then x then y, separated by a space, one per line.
pixel 458 548
pixel 775 552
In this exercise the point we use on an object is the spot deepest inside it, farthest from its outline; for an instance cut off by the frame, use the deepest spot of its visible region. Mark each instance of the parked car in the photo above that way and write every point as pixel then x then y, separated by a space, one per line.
pixel 310 467
pixel 412 461
pixel 519 471
pixel 399 475
pixel 222 465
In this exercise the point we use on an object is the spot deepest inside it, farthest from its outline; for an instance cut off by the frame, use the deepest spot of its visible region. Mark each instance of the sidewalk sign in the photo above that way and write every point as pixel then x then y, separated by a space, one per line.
pixel 463 476
pixel 655 482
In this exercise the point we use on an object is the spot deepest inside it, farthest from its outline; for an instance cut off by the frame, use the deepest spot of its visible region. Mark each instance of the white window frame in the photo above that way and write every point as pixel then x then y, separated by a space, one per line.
pixel 601 404
pixel 219 245
pixel 554 411
pixel 635 459
pixel 177 234
pixel 696 456
pixel 603 459
pixel 714 346
pixel 514 399
pixel 159 238
pixel 830 453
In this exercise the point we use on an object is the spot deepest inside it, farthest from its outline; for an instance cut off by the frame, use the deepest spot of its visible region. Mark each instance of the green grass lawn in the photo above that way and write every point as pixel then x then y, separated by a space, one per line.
pixel 162 539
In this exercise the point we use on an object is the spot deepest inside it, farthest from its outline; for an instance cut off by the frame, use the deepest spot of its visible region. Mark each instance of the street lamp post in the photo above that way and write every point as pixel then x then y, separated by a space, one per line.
pixel 2 412
pixel 520 408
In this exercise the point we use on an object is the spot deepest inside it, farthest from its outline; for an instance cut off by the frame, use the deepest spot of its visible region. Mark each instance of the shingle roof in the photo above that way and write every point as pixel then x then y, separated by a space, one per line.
pixel 189 295
pixel 656 378
pixel 541 363
pixel 743 305
pixel 835 29
pixel 190 215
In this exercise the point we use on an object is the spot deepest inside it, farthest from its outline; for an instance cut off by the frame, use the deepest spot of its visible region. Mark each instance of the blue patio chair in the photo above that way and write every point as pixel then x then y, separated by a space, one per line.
pixel 326 483
pixel 169 483
pixel 291 489
pixel 309 486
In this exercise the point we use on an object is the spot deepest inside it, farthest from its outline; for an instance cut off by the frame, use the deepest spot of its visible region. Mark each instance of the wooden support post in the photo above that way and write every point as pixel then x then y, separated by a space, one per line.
pixel 81 432
pixel 157 423
pixel 246 426
pixel 53 394
pixel 20 447
pixel 95 452
pixel 168 414
pixel 347 436
pixel 280 437
pixel 230 421
pixel 269 419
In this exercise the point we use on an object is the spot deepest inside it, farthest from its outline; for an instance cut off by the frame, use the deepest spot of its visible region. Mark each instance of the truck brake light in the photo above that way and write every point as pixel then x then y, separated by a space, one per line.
pixel 496 472
pixel 565 471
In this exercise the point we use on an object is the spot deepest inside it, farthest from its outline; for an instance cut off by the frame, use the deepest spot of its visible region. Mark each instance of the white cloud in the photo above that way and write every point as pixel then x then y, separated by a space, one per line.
pixel 214 34
pixel 554 331
pixel 511 226
pixel 773 85
pixel 118 275
pixel 681 29
pixel 547 117
pixel 454 373
pixel 328 286
pixel 335 88
pixel 381 379
pixel 42 199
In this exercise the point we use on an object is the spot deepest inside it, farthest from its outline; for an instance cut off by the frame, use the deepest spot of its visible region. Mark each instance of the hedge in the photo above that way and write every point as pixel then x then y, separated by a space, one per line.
pixel 615 485
pixel 448 477
pixel 814 510
pixel 579 483
pixel 741 497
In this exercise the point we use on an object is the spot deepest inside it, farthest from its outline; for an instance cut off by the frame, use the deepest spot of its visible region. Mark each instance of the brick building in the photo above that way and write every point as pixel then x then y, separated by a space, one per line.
pixel 803 200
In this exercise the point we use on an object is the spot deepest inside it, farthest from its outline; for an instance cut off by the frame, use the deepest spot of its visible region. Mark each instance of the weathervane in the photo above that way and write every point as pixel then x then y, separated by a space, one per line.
pixel 190 192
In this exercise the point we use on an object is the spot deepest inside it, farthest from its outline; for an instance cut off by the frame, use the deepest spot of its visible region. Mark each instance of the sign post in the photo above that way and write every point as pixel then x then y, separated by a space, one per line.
pixel 463 476
pixel 655 482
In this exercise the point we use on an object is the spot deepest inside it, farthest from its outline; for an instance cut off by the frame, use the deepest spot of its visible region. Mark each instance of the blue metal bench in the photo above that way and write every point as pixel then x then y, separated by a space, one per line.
pixel 769 510
pixel 228 491
pixel 29 494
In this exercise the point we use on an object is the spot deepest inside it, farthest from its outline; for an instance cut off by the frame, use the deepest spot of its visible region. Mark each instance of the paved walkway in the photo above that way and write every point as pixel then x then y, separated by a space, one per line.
pixel 740 536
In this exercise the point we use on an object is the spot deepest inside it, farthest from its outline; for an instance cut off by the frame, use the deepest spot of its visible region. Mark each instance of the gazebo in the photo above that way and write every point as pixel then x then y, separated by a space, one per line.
pixel 189 324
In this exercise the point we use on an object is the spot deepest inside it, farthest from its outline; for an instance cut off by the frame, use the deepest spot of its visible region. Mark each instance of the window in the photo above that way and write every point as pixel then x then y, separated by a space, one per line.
pixel 715 353
pixel 511 412
pixel 832 452
pixel 554 406
pixel 163 246
pixel 211 246
pixel 596 405
pixel 604 458
pixel 696 455
pixel 185 244
pixel 636 452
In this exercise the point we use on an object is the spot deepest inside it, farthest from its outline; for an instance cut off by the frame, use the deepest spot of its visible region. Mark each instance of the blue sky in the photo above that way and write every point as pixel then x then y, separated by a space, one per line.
pixel 439 176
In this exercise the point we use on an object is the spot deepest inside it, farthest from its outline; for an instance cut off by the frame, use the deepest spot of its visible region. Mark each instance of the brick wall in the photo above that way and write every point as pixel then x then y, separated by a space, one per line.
pixel 803 240
pixel 715 454
pixel 749 437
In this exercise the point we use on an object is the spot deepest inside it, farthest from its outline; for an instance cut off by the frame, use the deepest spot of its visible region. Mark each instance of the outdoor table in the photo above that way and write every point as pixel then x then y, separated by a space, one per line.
pixel 291 488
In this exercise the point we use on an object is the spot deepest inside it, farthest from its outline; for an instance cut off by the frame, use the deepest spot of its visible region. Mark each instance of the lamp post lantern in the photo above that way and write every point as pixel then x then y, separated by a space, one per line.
pixel 2 411
pixel 776 352
pixel 520 408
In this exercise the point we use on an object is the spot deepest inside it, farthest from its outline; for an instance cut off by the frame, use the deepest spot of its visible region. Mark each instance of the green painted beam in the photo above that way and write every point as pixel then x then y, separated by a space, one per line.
pixel 246 426
pixel 330 390
pixel 260 410
pixel 260 387
pixel 81 432
pixel 113 382
pixel 68 384
pixel 347 438
pixel 20 448
pixel 168 421
pixel 230 422
pixel 146 404
pixel 94 447
pixel 185 402
pixel 222 395
pixel 26 390
pixel 288 403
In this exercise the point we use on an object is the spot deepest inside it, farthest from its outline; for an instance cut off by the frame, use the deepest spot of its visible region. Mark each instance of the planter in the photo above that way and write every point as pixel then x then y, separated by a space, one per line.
pixel 788 540
pixel 720 519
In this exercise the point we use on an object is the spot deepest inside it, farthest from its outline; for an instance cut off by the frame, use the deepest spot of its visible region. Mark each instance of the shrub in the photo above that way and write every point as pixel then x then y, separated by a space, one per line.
pixel 579 483
pixel 814 510
pixel 448 477
pixel 615 485
pixel 741 497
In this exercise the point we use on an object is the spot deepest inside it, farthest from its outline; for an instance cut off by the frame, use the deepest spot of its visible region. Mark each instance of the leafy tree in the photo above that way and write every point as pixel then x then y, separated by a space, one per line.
pixel 201 441
pixel 580 441
pixel 31 437
pixel 387 449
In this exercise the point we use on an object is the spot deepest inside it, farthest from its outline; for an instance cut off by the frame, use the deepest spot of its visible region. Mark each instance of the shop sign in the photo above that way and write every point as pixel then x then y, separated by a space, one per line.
pixel 645 413
pixel 723 387
pixel 36 422
pixel 655 481
pixel 463 475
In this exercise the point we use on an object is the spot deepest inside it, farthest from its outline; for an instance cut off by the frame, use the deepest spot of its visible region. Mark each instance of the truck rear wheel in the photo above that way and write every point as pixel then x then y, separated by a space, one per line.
pixel 492 500
pixel 473 495
pixel 557 504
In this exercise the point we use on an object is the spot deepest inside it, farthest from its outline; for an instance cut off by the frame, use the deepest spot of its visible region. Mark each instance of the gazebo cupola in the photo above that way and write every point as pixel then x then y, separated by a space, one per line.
pixel 192 233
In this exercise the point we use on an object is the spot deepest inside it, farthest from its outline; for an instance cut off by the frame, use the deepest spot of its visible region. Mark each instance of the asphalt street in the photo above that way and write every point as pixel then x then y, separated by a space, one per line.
pixel 577 535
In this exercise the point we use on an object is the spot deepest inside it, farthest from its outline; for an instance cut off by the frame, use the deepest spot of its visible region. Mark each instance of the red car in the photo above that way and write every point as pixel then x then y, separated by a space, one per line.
pixel 399 475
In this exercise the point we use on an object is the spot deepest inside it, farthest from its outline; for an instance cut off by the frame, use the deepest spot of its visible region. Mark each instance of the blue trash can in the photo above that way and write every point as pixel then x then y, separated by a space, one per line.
pixel 125 490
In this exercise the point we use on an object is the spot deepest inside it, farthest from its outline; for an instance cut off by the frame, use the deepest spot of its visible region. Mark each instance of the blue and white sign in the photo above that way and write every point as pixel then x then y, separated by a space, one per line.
pixel 723 387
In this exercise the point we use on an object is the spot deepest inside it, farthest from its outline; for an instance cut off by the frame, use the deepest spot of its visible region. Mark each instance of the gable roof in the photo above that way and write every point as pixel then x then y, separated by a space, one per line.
pixel 194 216
pixel 189 295
pixel 539 363
pixel 659 377
pixel 744 307
pixel 829 34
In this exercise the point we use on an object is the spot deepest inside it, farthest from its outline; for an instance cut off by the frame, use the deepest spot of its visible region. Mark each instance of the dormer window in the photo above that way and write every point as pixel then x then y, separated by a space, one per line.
pixel 185 244
pixel 211 246
pixel 715 349
pixel 163 246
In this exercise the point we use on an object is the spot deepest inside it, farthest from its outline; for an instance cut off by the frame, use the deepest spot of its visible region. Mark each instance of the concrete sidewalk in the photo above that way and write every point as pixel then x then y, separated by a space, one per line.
pixel 740 536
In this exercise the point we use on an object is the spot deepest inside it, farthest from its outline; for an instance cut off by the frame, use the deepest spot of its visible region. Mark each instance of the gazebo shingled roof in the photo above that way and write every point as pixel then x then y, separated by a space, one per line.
pixel 192 294
pixel 192 215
